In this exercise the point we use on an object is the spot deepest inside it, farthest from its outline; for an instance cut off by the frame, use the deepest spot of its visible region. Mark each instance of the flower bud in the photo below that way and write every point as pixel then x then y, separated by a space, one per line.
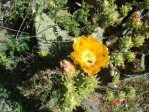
pixel 137 24
pixel 43 52
pixel 135 20
pixel 121 95
pixel 130 56
pixel 68 68
pixel 116 79
pixel 105 4
pixel 117 58
pixel 138 40
pixel 137 16
pixel 109 95
pixel 91 82
pixel 124 10
pixel 126 42
pixel 113 17
pixel 131 92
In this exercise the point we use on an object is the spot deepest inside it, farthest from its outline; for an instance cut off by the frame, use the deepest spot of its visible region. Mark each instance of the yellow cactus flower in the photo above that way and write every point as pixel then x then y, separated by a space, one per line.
pixel 90 54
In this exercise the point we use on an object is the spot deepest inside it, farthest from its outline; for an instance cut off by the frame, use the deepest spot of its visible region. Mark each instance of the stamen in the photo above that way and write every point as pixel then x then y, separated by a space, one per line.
pixel 88 57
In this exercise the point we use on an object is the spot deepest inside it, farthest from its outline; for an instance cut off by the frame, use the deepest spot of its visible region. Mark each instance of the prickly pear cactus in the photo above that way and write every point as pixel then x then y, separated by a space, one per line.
pixel 88 86
pixel 71 98
pixel 47 31
pixel 44 30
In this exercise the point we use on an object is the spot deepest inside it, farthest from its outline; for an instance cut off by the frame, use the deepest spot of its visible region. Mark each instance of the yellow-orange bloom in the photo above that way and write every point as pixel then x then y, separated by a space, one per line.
pixel 90 54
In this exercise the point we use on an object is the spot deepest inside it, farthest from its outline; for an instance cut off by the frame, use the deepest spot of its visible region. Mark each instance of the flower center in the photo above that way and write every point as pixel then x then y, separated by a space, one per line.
pixel 88 57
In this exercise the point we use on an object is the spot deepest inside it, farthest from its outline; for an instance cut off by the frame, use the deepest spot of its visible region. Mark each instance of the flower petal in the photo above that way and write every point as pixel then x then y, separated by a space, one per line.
pixel 90 54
